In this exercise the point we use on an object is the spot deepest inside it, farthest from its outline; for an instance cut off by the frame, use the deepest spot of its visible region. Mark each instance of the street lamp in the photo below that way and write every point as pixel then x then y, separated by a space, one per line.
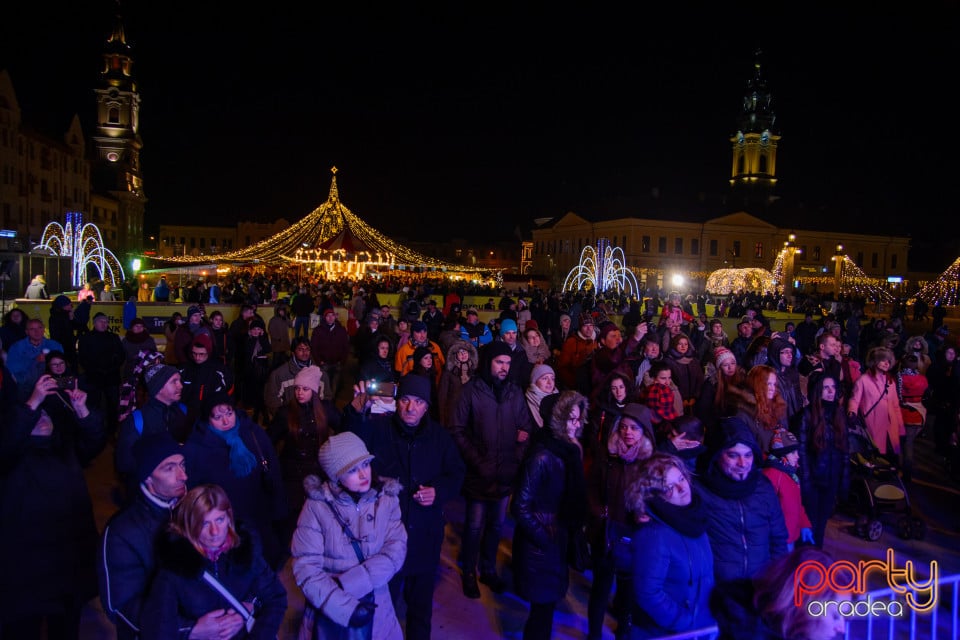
pixel 790 250
pixel 837 269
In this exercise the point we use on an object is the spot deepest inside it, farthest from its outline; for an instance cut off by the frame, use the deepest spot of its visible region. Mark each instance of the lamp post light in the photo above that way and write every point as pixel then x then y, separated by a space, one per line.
pixel 838 269
pixel 790 250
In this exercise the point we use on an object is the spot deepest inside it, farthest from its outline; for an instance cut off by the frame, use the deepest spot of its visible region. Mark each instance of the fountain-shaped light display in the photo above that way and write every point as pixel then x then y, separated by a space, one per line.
pixel 602 269
pixel 84 244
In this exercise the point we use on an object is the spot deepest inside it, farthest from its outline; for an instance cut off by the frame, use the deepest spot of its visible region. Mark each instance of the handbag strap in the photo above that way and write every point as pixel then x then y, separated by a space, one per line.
pixel 354 540
pixel 213 582
pixel 885 387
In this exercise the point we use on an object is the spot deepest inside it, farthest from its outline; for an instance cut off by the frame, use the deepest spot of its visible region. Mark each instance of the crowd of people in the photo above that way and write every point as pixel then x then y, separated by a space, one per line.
pixel 684 468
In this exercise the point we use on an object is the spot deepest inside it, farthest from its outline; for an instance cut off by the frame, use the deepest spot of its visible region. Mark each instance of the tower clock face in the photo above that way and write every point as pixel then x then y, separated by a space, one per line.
pixel 113 156
pixel 114 93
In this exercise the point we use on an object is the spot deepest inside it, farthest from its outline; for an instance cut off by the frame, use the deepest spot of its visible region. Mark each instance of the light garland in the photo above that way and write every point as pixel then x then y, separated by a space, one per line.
pixel 727 281
pixel 334 239
pixel 945 290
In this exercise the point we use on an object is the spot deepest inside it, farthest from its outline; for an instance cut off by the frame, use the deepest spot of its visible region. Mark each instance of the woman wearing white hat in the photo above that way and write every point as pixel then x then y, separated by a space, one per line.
pixel 349 543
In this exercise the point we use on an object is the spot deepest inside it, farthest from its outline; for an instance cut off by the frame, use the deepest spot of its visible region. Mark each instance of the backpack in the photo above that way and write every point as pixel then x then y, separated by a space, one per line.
pixel 138 417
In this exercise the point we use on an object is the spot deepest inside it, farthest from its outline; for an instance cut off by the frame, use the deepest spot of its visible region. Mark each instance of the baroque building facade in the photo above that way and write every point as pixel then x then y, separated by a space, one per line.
pixel 693 244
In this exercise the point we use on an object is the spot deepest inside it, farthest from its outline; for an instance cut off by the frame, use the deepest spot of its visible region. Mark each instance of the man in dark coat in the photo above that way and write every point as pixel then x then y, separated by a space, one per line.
pixel 412 447
pixel 745 522
pixel 126 562
pixel 102 356
pixel 163 412
pixel 330 345
pixel 491 425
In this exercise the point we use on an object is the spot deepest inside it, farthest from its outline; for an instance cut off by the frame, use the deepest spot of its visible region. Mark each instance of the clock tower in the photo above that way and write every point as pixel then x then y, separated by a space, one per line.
pixel 754 167
pixel 117 140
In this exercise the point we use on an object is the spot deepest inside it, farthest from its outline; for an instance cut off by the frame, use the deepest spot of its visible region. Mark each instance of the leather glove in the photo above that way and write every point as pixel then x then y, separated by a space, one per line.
pixel 362 615
pixel 806 535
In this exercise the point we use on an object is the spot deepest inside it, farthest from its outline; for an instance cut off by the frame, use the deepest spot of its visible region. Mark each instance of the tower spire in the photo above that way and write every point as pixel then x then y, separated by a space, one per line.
pixel 754 168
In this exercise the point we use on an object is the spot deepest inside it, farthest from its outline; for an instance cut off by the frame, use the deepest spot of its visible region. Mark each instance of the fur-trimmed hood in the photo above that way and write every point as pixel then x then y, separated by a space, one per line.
pixel 177 554
pixel 318 489
pixel 451 362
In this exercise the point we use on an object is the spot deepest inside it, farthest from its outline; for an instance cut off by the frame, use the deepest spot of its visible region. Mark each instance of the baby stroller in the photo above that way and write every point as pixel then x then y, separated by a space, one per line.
pixel 876 490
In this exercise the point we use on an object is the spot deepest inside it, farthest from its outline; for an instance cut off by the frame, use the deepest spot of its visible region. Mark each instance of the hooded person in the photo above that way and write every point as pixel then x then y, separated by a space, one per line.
pixel 460 367
pixel 780 468
pixel 745 521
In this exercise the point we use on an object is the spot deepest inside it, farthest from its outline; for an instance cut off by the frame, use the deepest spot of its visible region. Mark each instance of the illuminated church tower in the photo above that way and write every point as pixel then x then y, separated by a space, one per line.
pixel 116 165
pixel 754 166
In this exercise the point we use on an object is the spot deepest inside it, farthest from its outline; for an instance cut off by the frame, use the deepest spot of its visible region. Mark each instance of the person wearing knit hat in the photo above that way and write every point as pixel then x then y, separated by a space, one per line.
pixel 61 302
pixel 127 552
pixel 150 452
pixel 339 456
pixel 780 468
pixel 722 355
pixel 204 342
pixel 369 504
pixel 161 413
pixel 193 310
pixel 163 382
pixel 415 386
pixel 309 377
pixel 543 384
pixel 508 325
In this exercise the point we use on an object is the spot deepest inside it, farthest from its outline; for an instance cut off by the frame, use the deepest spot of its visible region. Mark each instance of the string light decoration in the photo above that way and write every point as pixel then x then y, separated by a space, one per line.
pixel 945 290
pixel 727 281
pixel 853 282
pixel 602 269
pixel 333 239
pixel 84 243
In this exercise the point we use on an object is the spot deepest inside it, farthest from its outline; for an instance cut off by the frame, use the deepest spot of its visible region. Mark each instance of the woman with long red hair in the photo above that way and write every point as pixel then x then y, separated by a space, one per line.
pixel 761 406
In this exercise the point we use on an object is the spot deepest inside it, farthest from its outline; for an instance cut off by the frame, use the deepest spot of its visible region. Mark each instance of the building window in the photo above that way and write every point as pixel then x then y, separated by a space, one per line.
pixel 695 247
pixel 736 249
pixel 114 116
pixel 645 244
pixel 859 259
pixel 714 248
pixel 893 261
pixel 874 258
pixel 816 253
pixel 803 252
pixel 758 250
pixel 662 244
pixel 678 246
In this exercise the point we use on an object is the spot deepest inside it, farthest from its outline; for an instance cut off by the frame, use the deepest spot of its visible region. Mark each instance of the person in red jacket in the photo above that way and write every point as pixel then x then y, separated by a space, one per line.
pixel 780 467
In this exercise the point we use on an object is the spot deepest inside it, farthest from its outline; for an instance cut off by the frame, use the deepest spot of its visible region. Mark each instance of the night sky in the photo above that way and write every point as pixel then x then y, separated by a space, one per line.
pixel 477 120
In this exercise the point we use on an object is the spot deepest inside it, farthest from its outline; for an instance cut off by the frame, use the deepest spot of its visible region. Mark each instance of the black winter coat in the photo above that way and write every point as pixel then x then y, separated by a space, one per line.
pixel 543 522
pixel 48 536
pixel 179 595
pixel 127 562
pixel 259 497
pixel 485 431
pixel 425 455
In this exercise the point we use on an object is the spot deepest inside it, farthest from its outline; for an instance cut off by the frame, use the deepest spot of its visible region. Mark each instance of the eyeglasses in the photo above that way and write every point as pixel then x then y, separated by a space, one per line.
pixel 577 419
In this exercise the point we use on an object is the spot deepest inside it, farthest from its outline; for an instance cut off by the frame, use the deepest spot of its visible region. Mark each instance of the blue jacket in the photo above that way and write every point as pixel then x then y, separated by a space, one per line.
pixel 745 522
pixel 672 581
